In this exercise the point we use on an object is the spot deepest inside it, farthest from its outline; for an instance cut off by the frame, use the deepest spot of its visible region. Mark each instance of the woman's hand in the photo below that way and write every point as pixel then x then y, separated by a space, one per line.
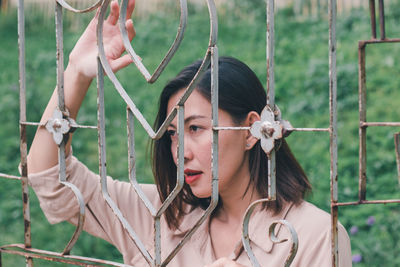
pixel 224 262
pixel 82 59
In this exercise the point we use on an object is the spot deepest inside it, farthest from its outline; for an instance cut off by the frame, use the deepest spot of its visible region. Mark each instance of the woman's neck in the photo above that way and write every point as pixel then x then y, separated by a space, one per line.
pixel 234 205
pixel 225 226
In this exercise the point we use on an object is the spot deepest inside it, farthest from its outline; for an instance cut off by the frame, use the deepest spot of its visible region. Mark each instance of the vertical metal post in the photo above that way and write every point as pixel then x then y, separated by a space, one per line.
pixel 101 127
pixel 60 84
pixel 333 130
pixel 22 118
pixel 271 93
pixel 363 118
pixel 382 20
pixel 131 144
pixel 397 148
pixel 60 56
pixel 214 104
pixel 157 241
pixel 373 20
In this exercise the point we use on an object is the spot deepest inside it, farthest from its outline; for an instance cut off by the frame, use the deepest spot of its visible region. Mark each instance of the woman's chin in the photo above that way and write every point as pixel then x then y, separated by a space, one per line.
pixel 201 194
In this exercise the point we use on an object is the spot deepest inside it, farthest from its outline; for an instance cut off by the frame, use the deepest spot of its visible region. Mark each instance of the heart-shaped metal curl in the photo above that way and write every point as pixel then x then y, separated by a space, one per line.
pixel 272 235
pixel 139 116
pixel 211 57
pixel 268 129
pixel 276 240
pixel 151 78
pixel 67 6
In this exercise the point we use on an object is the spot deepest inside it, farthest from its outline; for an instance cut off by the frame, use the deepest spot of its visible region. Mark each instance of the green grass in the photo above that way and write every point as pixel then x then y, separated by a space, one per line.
pixel 302 88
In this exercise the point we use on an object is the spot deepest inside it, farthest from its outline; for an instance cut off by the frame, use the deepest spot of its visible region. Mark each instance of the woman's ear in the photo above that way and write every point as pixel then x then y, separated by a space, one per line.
pixel 252 117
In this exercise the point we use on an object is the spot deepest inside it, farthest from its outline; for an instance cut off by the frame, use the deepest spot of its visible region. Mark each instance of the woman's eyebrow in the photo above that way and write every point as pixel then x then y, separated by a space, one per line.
pixel 194 117
pixel 190 118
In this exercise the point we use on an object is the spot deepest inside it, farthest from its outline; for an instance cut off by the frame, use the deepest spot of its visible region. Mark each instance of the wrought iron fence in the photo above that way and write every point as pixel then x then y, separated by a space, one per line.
pixel 61 123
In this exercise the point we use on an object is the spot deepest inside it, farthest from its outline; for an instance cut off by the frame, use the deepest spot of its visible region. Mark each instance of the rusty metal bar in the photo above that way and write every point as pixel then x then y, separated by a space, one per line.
pixel 210 58
pixel 362 102
pixel 271 157
pixel 60 57
pixel 382 19
pixel 288 129
pixel 211 207
pixel 150 131
pixel 271 91
pixel 56 257
pixel 397 148
pixel 376 41
pixel 179 183
pixel 102 154
pixel 390 124
pixel 333 131
pixel 360 202
pixel 23 144
pixel 61 147
pixel 373 19
pixel 43 124
pixel 132 163
pixel 180 166
pixel 9 176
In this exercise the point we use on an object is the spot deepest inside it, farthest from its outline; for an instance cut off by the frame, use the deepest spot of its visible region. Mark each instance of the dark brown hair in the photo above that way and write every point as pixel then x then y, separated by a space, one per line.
pixel 240 92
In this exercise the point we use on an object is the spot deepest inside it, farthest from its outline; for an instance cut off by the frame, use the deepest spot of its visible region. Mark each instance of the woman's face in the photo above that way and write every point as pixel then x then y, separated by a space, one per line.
pixel 233 162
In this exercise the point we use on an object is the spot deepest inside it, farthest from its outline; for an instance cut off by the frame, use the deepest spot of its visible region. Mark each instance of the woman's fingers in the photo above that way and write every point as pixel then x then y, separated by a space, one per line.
pixel 120 62
pixel 114 13
pixel 129 10
pixel 130 29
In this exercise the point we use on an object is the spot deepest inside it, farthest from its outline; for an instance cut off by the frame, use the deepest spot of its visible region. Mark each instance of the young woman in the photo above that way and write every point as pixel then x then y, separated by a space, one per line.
pixel 242 172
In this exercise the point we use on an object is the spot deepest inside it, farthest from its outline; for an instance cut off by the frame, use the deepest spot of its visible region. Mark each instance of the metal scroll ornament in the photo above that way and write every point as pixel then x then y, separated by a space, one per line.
pixel 272 235
pixel 268 129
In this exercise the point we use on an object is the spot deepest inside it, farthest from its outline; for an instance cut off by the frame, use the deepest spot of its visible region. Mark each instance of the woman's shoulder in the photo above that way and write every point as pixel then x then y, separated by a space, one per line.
pixel 308 212
pixel 306 215
pixel 308 218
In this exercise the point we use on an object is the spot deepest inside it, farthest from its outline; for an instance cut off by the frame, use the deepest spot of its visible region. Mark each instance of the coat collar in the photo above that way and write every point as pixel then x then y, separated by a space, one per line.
pixel 259 225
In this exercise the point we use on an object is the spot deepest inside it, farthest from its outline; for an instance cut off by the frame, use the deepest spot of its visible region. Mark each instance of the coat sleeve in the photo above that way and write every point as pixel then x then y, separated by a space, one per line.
pixel 313 227
pixel 59 203
pixel 318 252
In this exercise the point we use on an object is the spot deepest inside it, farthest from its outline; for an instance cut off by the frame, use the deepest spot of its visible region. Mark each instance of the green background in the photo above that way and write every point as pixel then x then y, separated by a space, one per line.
pixel 302 93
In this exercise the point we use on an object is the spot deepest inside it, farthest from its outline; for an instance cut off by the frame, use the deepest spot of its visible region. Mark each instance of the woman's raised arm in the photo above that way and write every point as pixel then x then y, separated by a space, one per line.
pixel 78 76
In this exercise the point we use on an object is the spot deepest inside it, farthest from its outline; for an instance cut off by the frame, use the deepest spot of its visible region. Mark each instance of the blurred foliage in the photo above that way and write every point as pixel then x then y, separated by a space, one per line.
pixel 302 92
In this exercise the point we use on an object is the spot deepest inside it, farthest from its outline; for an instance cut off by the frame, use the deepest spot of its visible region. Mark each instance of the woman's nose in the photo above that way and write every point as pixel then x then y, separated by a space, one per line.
pixel 187 150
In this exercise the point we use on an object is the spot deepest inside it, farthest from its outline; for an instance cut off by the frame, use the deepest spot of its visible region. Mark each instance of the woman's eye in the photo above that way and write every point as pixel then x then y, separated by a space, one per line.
pixel 194 128
pixel 171 133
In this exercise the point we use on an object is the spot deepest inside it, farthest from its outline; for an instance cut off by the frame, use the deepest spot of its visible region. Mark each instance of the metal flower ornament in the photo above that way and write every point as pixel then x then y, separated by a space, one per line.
pixel 268 129
pixel 59 125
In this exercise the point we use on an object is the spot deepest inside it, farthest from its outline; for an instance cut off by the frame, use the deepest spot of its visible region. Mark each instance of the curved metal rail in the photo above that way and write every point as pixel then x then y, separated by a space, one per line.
pixel 151 78
pixel 68 7
pixel 272 235
pixel 211 57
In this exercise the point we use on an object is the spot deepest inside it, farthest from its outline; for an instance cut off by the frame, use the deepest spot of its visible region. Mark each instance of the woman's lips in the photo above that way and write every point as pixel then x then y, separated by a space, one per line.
pixel 191 175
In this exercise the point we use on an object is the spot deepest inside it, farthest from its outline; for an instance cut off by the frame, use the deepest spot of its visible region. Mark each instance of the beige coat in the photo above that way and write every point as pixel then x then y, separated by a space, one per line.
pixel 59 204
